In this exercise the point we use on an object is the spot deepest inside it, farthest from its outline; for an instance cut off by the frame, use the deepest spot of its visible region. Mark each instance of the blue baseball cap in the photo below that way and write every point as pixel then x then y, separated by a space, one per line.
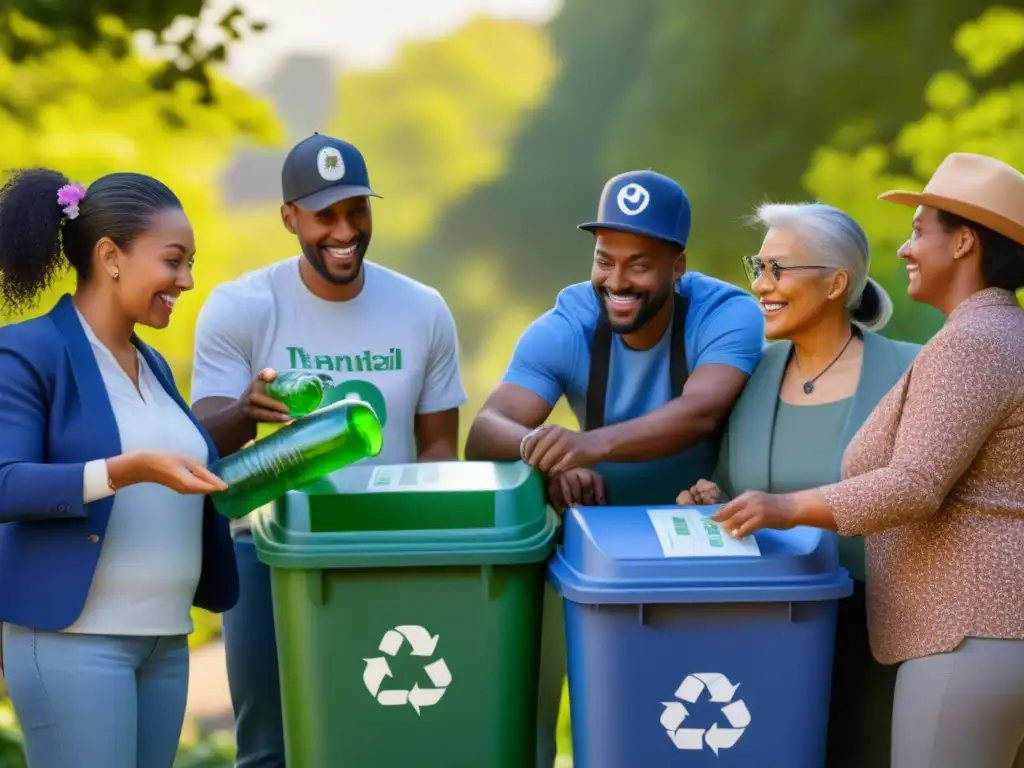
pixel 321 170
pixel 644 203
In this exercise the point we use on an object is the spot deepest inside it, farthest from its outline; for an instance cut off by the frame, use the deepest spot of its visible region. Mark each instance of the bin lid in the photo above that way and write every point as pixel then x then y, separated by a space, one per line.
pixel 432 513
pixel 671 554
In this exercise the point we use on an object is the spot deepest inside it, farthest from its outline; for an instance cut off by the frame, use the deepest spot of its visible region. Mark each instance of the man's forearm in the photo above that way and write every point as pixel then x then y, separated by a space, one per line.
pixel 668 430
pixel 228 427
pixel 494 437
pixel 682 422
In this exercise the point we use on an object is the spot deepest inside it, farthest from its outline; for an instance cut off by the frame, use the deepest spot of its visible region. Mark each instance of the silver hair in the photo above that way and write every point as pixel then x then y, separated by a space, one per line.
pixel 836 240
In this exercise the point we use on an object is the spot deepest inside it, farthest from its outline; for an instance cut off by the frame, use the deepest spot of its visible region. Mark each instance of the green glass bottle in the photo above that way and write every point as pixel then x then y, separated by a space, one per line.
pixel 299 453
pixel 301 391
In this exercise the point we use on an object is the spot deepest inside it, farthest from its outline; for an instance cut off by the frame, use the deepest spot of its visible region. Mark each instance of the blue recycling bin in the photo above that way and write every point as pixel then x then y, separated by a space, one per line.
pixel 688 647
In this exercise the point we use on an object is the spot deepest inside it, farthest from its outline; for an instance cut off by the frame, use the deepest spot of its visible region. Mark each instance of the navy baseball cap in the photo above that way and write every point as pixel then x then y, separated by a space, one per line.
pixel 321 170
pixel 644 203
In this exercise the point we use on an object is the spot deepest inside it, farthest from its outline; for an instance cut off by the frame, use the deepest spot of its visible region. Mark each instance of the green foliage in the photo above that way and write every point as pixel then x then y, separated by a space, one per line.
pixel 90 114
pixel 35 27
pixel 991 41
pixel 216 750
pixel 962 115
pixel 728 96
pixel 11 751
pixel 206 628
pixel 438 121
pixel 524 222
pixel 73 21
pixel 80 93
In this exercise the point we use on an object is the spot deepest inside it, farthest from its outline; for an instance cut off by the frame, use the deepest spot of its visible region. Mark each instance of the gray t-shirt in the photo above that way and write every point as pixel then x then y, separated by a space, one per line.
pixel 394 345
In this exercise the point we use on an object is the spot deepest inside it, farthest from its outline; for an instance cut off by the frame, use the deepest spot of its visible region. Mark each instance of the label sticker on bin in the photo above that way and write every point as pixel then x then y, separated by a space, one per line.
pixel 390 478
pixel 685 532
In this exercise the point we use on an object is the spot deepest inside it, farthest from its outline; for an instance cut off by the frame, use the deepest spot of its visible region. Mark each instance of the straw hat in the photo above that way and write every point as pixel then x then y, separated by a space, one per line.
pixel 976 187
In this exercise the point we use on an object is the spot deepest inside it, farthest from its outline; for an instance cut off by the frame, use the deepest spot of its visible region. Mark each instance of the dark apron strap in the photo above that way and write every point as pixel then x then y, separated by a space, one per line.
pixel 600 362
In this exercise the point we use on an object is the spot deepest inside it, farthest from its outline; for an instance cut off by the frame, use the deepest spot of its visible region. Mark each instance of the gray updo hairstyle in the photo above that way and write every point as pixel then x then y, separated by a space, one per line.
pixel 836 240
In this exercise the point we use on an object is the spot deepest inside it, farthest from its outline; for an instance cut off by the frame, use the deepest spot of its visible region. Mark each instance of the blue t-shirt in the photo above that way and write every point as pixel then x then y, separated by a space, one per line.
pixel 724 325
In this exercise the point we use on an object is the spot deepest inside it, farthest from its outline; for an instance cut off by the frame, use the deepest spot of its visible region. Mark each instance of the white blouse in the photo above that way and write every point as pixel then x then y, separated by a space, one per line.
pixel 151 554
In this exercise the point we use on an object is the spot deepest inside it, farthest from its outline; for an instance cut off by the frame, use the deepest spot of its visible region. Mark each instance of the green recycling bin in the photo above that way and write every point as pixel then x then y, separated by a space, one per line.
pixel 407 609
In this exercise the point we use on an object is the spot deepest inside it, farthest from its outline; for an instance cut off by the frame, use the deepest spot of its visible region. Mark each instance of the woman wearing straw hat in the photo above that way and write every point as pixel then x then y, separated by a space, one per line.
pixel 934 480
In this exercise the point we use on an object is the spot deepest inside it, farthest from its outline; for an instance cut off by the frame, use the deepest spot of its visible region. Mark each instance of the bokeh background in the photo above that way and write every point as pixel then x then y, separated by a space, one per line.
pixel 489 127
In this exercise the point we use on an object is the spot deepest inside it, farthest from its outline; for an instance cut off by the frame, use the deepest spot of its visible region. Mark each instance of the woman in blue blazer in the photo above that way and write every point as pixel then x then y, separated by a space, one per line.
pixel 822 374
pixel 108 535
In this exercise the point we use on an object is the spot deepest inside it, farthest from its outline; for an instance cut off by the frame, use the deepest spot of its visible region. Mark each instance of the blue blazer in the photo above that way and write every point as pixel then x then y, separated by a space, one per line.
pixel 55 415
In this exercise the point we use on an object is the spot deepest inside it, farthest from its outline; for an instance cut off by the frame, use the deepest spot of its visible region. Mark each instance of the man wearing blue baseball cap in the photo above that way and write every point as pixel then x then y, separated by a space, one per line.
pixel 372 332
pixel 651 359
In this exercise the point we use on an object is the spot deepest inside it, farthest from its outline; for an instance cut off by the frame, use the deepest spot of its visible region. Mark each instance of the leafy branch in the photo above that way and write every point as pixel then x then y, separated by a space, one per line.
pixel 33 28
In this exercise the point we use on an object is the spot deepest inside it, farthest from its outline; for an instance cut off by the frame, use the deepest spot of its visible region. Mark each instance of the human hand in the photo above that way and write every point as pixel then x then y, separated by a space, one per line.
pixel 754 510
pixel 577 487
pixel 170 469
pixel 703 493
pixel 256 405
pixel 553 450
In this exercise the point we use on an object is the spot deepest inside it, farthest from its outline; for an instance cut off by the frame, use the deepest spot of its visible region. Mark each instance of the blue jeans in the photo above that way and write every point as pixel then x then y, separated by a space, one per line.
pixel 251 650
pixel 97 700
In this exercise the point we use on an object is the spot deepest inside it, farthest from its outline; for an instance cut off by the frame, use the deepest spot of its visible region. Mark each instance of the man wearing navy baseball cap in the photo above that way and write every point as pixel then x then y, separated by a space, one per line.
pixel 651 359
pixel 374 333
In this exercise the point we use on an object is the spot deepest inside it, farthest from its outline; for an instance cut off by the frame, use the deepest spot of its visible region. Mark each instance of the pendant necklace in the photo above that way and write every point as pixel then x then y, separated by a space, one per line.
pixel 809 385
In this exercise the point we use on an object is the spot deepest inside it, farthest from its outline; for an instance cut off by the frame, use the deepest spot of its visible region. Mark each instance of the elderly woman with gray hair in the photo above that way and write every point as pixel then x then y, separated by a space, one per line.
pixel 821 376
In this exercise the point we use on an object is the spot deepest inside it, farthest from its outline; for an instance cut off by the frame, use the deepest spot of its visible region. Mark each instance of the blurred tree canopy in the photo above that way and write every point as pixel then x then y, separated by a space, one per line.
pixel 74 21
pixel 90 113
pixel 440 119
pixel 961 115
pixel 730 97
pixel 85 24
pixel 433 125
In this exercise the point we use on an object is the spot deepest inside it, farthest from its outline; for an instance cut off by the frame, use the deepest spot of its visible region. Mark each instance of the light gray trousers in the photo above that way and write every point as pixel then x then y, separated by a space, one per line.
pixel 963 709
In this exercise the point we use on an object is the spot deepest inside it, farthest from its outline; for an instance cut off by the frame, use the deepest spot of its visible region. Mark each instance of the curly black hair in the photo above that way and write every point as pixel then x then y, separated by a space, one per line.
pixel 1002 259
pixel 37 242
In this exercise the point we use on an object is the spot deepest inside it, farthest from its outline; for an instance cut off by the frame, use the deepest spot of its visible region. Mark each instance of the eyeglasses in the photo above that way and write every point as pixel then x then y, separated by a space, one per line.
pixel 754 267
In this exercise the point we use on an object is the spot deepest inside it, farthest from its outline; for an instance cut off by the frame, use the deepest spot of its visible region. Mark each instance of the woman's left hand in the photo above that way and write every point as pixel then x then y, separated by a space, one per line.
pixel 754 510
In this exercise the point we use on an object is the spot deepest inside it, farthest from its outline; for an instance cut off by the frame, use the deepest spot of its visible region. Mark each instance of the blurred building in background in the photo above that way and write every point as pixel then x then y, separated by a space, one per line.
pixel 304 93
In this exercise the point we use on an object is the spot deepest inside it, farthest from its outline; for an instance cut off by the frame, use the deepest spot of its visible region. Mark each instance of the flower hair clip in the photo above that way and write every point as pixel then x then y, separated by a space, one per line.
pixel 68 198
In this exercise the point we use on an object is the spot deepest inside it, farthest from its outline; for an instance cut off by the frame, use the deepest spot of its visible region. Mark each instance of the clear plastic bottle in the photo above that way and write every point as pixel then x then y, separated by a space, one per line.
pixel 301 391
pixel 299 453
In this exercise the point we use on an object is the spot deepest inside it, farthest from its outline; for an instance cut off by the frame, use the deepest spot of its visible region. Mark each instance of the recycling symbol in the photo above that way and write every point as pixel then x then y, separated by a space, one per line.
pixel 721 691
pixel 420 644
